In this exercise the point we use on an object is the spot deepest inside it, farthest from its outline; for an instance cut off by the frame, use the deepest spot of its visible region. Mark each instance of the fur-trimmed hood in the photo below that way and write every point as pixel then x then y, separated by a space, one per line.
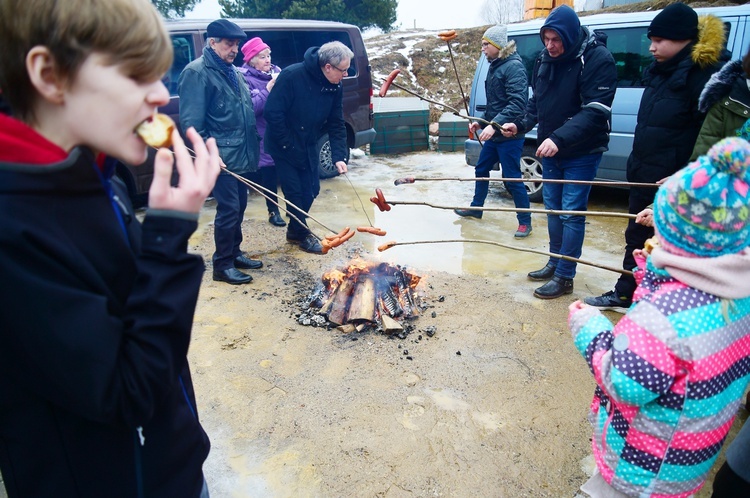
pixel 720 84
pixel 711 37
pixel 507 50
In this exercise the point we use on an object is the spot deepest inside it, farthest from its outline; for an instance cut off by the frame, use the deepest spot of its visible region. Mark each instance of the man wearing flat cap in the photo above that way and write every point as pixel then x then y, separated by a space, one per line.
pixel 216 101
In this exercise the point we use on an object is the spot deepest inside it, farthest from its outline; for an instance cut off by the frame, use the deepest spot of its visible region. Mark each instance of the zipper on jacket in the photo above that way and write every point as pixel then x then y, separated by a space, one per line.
pixel 138 457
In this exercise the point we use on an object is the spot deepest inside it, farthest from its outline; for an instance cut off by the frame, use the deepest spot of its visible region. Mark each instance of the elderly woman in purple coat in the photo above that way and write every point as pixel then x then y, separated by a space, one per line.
pixel 260 75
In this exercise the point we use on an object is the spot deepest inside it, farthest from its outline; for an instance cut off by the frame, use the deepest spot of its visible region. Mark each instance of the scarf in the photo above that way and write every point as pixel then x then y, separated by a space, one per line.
pixel 228 70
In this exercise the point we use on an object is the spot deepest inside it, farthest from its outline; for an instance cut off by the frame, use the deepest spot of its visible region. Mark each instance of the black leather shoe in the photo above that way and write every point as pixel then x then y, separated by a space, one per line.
pixel 276 220
pixel 232 276
pixel 468 212
pixel 311 245
pixel 295 238
pixel 247 264
pixel 555 288
pixel 545 273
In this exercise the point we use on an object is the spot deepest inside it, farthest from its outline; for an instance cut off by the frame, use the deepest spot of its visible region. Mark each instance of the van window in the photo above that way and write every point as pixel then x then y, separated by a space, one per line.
pixel 183 55
pixel 528 47
pixel 629 47
pixel 289 47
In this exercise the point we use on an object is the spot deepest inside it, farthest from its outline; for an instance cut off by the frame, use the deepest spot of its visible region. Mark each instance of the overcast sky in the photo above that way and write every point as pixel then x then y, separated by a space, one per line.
pixel 427 14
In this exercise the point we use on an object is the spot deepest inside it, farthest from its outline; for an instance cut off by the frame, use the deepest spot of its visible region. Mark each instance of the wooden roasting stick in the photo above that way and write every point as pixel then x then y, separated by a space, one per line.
pixel 385 205
pixel 412 179
pixel 327 244
pixel 393 243
pixel 389 81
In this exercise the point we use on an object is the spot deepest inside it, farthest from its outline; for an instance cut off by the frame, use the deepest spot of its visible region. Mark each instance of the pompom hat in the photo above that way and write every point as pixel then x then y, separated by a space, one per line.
pixel 253 47
pixel 496 36
pixel 703 208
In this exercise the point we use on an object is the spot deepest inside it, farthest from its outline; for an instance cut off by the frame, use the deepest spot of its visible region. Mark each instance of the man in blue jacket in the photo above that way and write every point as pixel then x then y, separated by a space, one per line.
pixel 574 84
pixel 216 101
pixel 507 92
pixel 307 101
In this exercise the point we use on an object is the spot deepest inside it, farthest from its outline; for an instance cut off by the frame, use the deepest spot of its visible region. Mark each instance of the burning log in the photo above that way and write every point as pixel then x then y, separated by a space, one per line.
pixel 367 293
pixel 340 303
pixel 362 306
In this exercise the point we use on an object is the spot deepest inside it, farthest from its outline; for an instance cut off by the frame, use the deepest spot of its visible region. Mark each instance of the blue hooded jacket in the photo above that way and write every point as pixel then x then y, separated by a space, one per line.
pixel 573 92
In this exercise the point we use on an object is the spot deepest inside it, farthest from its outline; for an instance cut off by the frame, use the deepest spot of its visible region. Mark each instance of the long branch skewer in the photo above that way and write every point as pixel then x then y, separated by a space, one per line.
pixel 258 188
pixel 412 179
pixel 359 198
pixel 388 245
pixel 513 209
pixel 263 191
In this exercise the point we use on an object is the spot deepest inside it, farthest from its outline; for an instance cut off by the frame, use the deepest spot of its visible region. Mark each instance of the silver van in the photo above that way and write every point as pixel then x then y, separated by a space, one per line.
pixel 288 39
pixel 627 40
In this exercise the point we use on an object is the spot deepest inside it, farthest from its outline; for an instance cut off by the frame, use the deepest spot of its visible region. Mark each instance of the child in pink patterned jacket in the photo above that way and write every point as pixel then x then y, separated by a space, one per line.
pixel 670 375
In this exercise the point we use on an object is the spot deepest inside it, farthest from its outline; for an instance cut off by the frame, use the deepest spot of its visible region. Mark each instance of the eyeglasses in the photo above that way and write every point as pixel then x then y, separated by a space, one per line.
pixel 343 71
pixel 485 44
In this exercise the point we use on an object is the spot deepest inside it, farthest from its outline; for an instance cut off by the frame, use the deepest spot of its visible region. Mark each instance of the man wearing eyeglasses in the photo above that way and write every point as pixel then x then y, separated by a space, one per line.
pixel 306 102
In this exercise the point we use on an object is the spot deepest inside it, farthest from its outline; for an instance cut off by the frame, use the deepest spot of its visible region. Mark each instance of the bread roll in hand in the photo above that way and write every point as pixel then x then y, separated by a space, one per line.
pixel 157 130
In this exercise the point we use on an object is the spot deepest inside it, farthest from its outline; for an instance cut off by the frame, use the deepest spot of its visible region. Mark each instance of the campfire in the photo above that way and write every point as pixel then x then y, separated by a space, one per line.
pixel 366 294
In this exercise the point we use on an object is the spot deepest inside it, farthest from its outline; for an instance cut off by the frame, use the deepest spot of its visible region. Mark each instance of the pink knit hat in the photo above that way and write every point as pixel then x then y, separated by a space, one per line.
pixel 253 47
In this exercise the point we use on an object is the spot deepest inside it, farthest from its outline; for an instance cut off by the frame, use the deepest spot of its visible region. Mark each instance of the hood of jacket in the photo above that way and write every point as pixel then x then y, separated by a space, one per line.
pixel 563 21
pixel 707 51
pixel 312 66
pixel 720 84
pixel 21 144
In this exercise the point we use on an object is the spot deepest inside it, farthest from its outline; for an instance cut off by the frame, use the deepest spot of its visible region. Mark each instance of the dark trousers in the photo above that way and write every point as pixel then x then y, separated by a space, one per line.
pixel 231 201
pixel 267 178
pixel 508 154
pixel 635 236
pixel 300 187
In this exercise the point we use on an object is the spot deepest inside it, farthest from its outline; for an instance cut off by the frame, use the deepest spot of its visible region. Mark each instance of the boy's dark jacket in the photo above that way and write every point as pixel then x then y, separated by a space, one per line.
pixel 573 93
pixel 95 392
pixel 668 117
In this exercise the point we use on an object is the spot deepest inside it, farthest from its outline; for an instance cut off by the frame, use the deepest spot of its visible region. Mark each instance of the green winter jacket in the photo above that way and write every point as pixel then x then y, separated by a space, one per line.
pixel 727 97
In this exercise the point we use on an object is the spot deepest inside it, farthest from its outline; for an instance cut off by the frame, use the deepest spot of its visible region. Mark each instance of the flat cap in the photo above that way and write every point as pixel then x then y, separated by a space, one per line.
pixel 224 28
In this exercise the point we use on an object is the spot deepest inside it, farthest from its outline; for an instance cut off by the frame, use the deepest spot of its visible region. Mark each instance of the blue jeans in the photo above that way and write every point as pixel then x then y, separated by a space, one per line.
pixel 508 154
pixel 566 232
pixel 231 201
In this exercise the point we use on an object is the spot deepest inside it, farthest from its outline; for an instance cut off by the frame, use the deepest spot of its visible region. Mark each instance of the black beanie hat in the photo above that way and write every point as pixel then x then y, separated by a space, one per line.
pixel 675 22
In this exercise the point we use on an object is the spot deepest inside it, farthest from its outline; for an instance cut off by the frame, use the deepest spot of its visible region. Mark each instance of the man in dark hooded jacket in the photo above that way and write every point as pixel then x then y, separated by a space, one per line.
pixel 574 83
pixel 306 102
pixel 668 121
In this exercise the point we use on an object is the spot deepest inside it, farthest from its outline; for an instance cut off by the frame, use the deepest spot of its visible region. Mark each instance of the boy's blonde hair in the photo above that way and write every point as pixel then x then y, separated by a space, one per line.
pixel 128 32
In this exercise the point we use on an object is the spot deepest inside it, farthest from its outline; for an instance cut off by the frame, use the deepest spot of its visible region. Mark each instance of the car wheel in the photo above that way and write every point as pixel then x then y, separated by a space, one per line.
pixel 531 168
pixel 326 168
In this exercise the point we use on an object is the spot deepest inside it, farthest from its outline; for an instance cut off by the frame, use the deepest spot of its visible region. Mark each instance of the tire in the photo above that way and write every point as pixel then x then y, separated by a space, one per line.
pixel 326 168
pixel 531 168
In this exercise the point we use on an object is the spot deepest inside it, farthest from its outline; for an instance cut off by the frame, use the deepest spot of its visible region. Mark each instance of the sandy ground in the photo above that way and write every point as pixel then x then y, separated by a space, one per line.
pixel 493 405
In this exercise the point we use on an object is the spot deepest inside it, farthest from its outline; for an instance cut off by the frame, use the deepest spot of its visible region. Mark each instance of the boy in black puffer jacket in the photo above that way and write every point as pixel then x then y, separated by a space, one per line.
pixel 686 51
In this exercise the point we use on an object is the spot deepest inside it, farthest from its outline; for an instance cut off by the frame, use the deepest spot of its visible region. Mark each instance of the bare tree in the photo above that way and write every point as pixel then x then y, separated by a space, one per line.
pixel 502 11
